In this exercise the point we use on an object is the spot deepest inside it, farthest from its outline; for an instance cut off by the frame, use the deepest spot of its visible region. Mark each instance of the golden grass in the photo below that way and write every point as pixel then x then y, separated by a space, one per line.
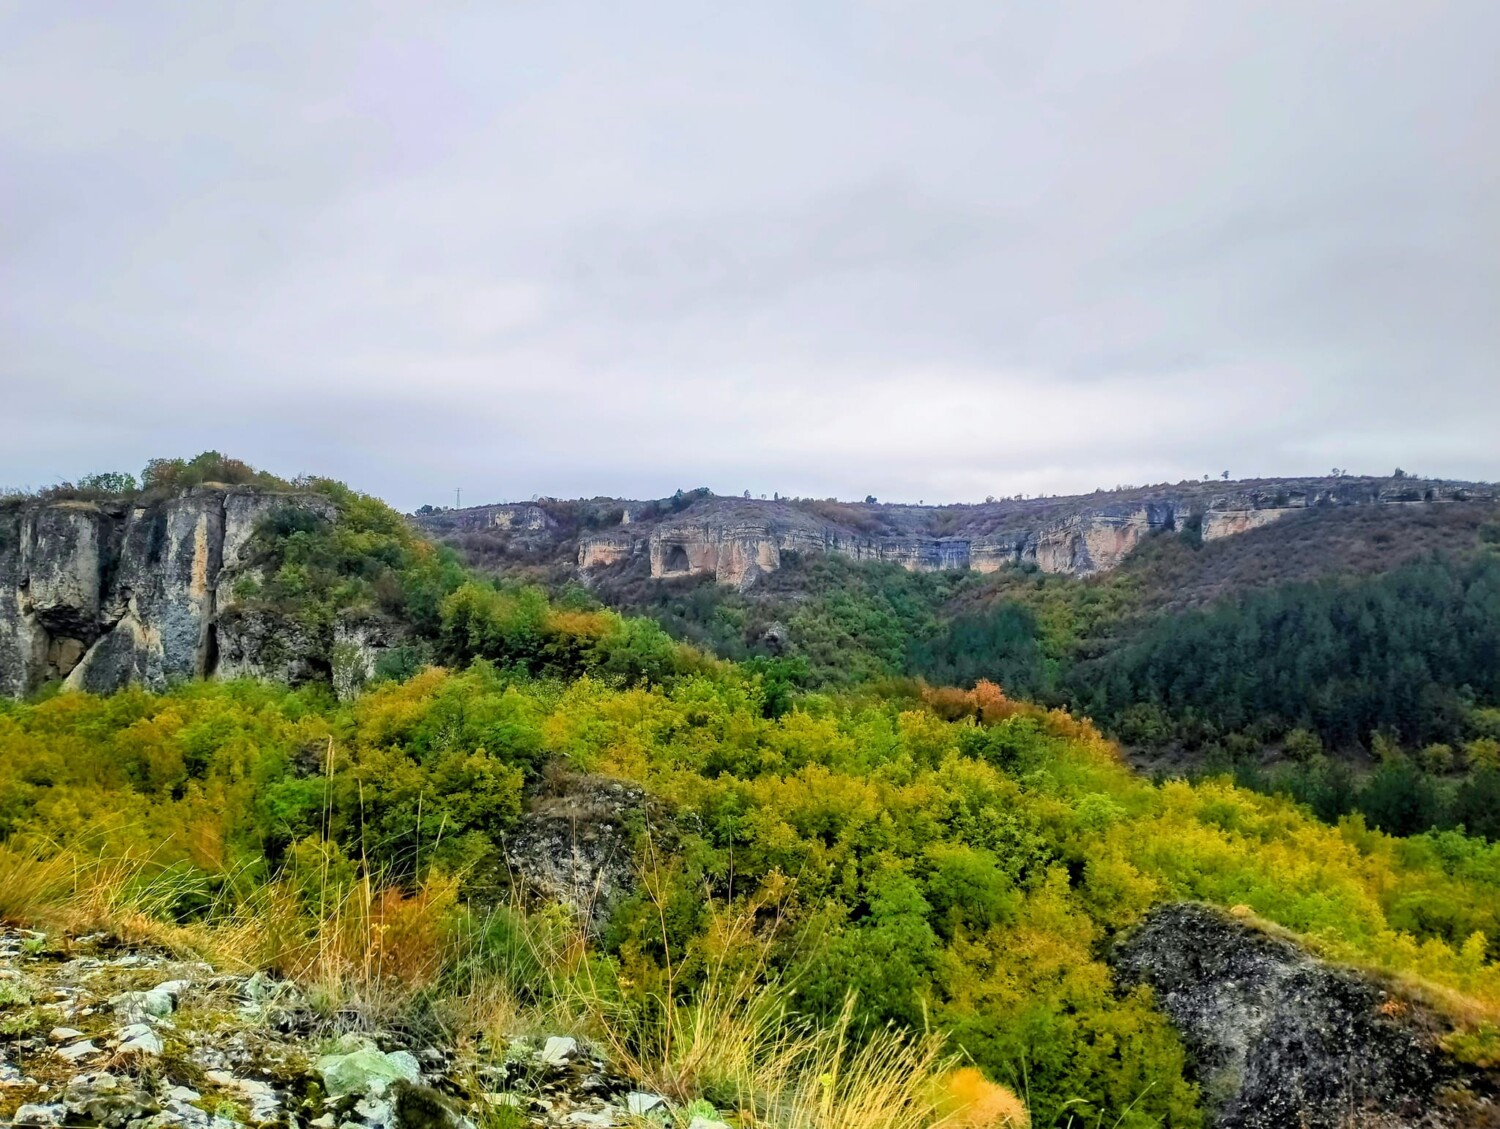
pixel 745 1050
pixel 76 893
pixel 734 1039
pixel 357 946
pixel 971 1101
pixel 32 886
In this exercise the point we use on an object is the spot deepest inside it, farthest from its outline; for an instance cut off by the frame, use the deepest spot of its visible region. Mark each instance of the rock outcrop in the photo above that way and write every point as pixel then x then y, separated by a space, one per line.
pixel 575 843
pixel 229 1051
pixel 737 540
pixel 103 594
pixel 1279 1038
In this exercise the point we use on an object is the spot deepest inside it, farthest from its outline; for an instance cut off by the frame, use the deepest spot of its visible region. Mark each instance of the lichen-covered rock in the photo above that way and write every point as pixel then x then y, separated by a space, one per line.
pixel 1281 1039
pixel 358 646
pixel 227 1061
pixel 108 1099
pixel 139 1039
pixel 423 1107
pixel 38 1113
pixel 575 843
pixel 138 1007
pixel 360 1067
pixel 263 644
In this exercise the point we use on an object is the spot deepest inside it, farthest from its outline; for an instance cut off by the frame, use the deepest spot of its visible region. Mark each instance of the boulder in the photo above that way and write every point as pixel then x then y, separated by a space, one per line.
pixel 108 1099
pixel 360 1067
pixel 37 1114
pixel 639 1103
pixel 558 1050
pixel 1279 1038
pixel 77 1052
pixel 422 1107
pixel 575 843
pixel 138 1007
pixel 139 1039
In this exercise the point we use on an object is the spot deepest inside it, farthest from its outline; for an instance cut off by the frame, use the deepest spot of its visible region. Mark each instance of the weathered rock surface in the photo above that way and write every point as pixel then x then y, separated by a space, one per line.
pixel 575 843
pixel 735 540
pixel 104 594
pixel 1280 1039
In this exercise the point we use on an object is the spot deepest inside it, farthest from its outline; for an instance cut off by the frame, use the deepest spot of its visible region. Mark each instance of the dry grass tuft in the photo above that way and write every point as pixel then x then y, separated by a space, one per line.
pixel 748 1052
pixel 126 896
pixel 734 1039
pixel 969 1100
pixel 33 886
pixel 367 947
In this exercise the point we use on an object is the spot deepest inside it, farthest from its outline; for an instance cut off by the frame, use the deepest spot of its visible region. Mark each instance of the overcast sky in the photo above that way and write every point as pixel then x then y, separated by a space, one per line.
pixel 928 251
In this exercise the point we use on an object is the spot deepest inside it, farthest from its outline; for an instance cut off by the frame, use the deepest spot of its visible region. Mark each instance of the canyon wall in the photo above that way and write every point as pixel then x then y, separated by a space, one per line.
pixel 103 594
pixel 736 540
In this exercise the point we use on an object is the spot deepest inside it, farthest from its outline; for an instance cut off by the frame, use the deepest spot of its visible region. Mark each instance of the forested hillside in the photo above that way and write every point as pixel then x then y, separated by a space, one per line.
pixel 1344 655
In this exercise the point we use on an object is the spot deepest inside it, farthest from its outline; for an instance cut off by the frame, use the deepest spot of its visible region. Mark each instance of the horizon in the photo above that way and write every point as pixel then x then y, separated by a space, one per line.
pixel 1122 488
pixel 1397 474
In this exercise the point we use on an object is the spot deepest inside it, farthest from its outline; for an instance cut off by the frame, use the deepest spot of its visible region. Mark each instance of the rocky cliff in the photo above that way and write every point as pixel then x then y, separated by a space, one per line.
pixel 101 594
pixel 737 539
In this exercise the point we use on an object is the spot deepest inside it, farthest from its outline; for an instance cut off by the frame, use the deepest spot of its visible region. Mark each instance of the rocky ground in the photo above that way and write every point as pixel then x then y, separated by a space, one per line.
pixel 96 1034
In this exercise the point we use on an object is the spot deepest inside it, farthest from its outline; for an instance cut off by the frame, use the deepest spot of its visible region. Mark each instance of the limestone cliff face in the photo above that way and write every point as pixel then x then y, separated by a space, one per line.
pixel 735 540
pixel 1095 541
pixel 735 546
pixel 606 549
pixel 105 594
pixel 1226 523
pixel 733 551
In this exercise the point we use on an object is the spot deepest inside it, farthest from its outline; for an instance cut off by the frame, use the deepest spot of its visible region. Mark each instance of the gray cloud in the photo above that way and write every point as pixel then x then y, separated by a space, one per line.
pixel 815 248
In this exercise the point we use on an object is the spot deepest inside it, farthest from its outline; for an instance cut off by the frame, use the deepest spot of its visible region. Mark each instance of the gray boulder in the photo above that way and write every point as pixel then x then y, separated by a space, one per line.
pixel 1279 1038
pixel 575 843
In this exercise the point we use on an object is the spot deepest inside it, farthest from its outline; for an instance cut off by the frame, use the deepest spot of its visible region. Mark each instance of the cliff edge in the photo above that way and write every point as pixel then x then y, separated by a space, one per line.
pixel 102 594
pixel 735 540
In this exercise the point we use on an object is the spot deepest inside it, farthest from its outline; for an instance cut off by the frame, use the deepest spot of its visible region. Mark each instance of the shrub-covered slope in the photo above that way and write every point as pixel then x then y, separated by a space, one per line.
pixel 961 861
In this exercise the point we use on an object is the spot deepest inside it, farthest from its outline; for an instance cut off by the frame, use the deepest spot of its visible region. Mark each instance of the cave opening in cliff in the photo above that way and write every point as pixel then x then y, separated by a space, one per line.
pixel 677 559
